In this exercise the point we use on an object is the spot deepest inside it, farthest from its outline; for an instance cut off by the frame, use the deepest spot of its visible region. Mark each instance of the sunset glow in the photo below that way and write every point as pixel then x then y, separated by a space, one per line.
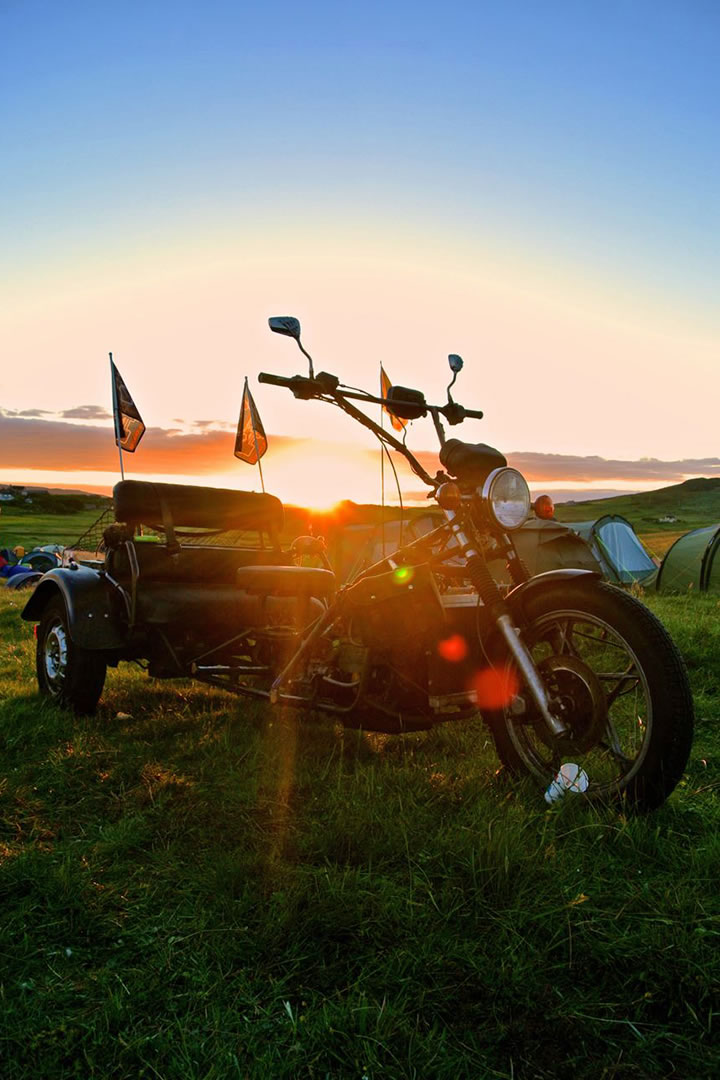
pixel 558 240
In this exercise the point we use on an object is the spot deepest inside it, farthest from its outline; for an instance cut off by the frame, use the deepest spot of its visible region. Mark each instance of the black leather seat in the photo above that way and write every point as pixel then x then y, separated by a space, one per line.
pixel 471 463
pixel 286 580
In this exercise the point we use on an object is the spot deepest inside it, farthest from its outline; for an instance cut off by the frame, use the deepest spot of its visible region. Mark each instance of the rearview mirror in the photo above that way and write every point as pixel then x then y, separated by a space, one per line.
pixel 285 324
pixel 455 362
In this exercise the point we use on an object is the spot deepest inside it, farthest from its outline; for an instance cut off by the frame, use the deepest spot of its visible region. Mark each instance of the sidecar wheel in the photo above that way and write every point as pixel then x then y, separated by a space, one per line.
pixel 71 676
pixel 622 687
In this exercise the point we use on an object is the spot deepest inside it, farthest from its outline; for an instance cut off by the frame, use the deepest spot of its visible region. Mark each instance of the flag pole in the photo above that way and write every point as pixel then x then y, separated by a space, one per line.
pixel 116 416
pixel 382 470
pixel 257 452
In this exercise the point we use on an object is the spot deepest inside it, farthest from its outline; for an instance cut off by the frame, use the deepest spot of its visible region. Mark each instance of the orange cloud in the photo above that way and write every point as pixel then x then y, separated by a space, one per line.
pixel 28 442
pixel 51 444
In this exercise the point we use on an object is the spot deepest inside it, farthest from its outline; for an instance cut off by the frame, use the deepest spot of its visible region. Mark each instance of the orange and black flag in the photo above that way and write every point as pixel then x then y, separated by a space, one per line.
pixel 251 440
pixel 397 422
pixel 129 426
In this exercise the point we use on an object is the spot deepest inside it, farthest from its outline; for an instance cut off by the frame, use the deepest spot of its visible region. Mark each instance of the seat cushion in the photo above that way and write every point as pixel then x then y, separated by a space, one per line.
pixel 286 580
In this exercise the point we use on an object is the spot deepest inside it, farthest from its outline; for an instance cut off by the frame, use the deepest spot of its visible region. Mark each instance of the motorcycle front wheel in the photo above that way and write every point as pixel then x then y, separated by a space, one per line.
pixel 616 678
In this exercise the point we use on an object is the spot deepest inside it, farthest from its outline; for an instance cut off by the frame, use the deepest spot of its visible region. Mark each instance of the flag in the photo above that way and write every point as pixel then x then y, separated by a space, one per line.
pixel 129 427
pixel 397 422
pixel 251 440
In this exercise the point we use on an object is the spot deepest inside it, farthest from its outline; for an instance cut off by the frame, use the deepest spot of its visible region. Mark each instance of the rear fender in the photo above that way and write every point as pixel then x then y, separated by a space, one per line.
pixel 519 595
pixel 90 602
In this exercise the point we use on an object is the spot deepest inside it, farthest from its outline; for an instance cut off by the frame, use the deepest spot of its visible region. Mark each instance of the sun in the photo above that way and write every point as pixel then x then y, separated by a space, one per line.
pixel 319 479
pixel 316 476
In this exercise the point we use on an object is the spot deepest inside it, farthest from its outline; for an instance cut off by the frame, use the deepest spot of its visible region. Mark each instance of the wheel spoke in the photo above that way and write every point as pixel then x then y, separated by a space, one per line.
pixel 613 745
pixel 560 638
pixel 610 751
pixel 622 679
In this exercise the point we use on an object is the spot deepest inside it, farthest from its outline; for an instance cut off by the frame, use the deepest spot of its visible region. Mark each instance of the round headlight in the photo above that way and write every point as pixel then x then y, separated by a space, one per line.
pixel 508 497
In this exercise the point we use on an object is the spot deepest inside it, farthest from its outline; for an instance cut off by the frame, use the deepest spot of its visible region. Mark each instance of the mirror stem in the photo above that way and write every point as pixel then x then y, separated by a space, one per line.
pixel 450 398
pixel 309 357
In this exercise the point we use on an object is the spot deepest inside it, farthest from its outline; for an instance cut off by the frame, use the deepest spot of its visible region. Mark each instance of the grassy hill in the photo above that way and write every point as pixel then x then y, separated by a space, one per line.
pixel 63 517
pixel 694 503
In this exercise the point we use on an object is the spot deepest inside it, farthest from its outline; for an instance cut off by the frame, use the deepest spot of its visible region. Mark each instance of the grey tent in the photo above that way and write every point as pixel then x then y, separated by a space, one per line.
pixel 542 545
pixel 547 545
pixel 617 548
pixel 691 564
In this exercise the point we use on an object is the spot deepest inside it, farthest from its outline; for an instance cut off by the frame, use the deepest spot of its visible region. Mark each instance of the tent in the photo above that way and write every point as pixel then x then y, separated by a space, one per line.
pixel 617 548
pixel 541 544
pixel 547 545
pixel 690 562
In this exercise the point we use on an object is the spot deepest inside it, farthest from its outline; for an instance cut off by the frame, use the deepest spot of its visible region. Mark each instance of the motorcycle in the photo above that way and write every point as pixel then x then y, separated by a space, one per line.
pixel 579 683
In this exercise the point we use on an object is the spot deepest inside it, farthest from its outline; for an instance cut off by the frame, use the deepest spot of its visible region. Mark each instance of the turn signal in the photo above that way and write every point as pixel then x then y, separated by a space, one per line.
pixel 448 496
pixel 544 507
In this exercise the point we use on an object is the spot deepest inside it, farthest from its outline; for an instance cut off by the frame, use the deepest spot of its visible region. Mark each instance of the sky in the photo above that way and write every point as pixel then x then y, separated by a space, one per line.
pixel 533 186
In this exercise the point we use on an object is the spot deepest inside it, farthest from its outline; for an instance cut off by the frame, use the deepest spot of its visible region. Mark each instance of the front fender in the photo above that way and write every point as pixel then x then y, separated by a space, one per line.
pixel 93 622
pixel 517 597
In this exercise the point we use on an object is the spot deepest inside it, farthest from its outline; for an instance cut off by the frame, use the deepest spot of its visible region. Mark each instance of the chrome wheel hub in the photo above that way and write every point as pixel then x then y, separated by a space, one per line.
pixel 579 699
pixel 56 656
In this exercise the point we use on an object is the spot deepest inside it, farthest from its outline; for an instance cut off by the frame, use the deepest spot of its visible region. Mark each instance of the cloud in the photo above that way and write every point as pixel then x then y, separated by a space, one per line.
pixel 544 467
pixel 29 442
pixel 54 444
pixel 34 413
pixel 85 412
pixel 217 425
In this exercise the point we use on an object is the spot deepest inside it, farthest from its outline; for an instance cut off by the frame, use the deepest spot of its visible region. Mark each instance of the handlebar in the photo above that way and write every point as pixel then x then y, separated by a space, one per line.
pixel 303 387
pixel 327 387
pixel 294 383
pixel 274 380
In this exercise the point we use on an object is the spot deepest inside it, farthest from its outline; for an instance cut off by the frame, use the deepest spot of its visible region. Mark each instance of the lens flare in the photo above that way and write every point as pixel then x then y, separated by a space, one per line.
pixel 403 575
pixel 495 687
pixel 453 648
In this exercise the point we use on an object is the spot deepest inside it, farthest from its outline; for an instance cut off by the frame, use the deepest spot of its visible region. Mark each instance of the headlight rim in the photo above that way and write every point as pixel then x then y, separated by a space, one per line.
pixel 486 493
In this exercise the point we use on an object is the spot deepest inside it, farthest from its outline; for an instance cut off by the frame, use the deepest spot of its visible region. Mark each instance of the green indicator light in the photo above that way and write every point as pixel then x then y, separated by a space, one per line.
pixel 403 575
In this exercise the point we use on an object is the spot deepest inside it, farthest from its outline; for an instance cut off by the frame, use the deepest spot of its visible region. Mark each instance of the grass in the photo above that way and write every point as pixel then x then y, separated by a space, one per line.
pixel 194 888
pixel 31 528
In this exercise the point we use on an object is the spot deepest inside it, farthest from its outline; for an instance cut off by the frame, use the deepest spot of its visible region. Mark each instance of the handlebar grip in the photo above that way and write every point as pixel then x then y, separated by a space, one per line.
pixel 274 380
pixel 474 414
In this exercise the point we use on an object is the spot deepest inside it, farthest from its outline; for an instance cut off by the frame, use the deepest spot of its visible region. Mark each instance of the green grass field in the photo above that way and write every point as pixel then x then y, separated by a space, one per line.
pixel 31 529
pixel 194 889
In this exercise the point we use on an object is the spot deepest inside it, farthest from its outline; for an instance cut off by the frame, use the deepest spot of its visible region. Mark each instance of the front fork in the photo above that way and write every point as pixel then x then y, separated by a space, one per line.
pixel 491 597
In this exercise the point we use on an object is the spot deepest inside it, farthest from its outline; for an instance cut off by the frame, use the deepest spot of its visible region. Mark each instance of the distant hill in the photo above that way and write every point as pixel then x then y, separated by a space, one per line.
pixel 34 500
pixel 692 504
pixel 696 500
pixel 61 489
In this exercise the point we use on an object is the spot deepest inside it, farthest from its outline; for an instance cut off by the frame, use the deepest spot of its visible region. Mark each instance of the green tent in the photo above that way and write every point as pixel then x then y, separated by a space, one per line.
pixel 691 564
pixel 617 548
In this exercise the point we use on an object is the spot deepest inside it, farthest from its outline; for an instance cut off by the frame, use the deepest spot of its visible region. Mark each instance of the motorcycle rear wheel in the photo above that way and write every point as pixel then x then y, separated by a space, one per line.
pixel 622 687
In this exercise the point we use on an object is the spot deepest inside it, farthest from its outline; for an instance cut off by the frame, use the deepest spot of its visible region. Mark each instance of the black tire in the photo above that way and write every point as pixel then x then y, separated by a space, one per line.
pixel 626 691
pixel 71 676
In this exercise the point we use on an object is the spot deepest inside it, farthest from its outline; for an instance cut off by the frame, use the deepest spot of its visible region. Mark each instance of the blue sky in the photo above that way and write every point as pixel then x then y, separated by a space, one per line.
pixel 566 150
pixel 521 117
